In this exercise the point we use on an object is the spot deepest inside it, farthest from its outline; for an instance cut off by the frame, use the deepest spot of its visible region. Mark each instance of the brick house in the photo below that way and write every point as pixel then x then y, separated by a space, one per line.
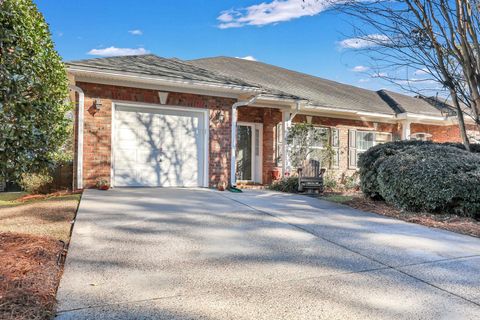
pixel 150 121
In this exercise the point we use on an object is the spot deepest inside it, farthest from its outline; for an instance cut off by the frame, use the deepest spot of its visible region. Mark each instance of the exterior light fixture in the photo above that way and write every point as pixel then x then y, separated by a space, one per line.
pixel 95 107
pixel 219 117
pixel 97 104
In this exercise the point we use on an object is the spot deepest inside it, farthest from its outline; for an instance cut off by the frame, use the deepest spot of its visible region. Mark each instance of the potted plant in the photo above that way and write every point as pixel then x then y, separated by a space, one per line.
pixel 102 184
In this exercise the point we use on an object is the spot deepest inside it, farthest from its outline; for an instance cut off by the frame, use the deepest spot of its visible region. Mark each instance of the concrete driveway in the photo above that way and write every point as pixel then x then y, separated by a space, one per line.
pixel 203 254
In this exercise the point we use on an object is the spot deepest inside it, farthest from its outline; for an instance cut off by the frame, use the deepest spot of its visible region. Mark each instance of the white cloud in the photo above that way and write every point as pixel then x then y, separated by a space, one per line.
pixel 136 32
pixel 271 12
pixel 363 80
pixel 360 69
pixel 368 41
pixel 251 58
pixel 114 51
pixel 421 72
pixel 380 75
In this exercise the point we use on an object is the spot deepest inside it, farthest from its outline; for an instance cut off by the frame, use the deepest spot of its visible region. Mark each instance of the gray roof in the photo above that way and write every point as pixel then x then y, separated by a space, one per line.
pixel 410 104
pixel 318 91
pixel 156 66
pixel 272 80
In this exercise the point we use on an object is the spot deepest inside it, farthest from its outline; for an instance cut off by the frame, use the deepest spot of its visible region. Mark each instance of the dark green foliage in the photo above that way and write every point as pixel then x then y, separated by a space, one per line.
pixel 289 184
pixel 33 92
pixel 370 160
pixel 432 178
pixel 474 147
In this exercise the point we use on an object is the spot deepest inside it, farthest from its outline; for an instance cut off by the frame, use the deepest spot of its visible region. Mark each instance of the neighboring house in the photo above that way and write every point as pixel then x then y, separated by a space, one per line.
pixel 150 121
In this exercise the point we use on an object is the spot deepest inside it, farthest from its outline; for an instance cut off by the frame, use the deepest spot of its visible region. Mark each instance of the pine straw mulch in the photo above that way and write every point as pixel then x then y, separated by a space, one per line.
pixel 29 275
pixel 449 222
pixel 30 197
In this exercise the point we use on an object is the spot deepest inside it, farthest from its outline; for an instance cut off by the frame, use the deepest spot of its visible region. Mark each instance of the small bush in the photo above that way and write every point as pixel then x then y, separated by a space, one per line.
pixel 330 182
pixel 474 147
pixel 432 178
pixel 35 183
pixel 352 182
pixel 289 184
pixel 370 160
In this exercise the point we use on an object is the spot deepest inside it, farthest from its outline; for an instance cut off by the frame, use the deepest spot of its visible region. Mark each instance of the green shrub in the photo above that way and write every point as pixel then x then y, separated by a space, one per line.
pixel 432 178
pixel 474 147
pixel 289 184
pixel 35 183
pixel 352 182
pixel 330 183
pixel 370 160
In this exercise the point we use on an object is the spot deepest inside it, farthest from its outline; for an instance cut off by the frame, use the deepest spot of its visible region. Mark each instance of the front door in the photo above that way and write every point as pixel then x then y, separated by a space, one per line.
pixel 249 152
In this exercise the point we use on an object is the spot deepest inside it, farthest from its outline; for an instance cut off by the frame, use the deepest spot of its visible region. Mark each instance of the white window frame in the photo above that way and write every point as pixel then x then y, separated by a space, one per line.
pixel 354 151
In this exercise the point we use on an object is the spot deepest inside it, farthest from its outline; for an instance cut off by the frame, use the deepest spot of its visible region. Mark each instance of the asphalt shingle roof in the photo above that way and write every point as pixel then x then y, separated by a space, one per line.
pixel 411 104
pixel 156 66
pixel 318 91
pixel 272 80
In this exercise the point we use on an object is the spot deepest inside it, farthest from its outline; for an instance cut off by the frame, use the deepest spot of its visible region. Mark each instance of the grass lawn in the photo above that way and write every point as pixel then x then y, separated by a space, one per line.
pixel 32 238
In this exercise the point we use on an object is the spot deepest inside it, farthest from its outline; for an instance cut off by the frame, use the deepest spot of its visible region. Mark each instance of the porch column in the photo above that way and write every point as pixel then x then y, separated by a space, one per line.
pixel 233 150
pixel 286 124
pixel 406 130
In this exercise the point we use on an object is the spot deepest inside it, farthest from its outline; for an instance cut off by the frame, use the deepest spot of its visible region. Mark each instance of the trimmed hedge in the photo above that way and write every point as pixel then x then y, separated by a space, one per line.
pixel 370 160
pixel 432 178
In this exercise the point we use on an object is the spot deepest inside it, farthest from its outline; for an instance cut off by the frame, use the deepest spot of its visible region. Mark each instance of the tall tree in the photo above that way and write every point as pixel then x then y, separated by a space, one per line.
pixel 437 38
pixel 33 91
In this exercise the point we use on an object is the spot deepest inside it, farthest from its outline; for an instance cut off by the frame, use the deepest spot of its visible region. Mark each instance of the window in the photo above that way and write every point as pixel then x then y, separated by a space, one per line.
pixel 361 141
pixel 278 144
pixel 421 136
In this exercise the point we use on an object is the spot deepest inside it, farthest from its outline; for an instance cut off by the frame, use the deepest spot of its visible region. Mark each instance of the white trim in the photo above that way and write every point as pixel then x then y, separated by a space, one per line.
pixel 257 162
pixel 206 128
pixel 119 75
pixel 406 129
pixel 286 124
pixel 233 137
pixel 80 125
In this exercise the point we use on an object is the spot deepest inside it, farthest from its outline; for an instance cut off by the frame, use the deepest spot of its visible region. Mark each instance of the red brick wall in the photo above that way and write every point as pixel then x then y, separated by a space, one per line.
pixel 439 133
pixel 343 125
pixel 269 117
pixel 97 128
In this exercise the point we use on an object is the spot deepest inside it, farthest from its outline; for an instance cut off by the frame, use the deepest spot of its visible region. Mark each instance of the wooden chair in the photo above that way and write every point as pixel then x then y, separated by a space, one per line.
pixel 310 176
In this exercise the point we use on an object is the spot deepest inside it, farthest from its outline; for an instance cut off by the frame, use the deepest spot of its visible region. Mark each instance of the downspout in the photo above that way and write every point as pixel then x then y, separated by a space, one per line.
pixel 233 150
pixel 80 124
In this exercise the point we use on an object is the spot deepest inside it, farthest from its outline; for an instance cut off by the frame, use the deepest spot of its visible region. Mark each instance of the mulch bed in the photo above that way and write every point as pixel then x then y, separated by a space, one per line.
pixel 29 275
pixel 449 222
pixel 29 197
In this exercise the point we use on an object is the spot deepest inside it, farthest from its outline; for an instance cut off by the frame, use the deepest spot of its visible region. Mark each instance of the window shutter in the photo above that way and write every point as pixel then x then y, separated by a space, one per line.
pixel 352 149
pixel 335 143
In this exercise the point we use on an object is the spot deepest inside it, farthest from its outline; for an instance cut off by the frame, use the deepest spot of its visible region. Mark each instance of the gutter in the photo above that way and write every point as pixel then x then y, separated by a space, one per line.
pixel 80 124
pixel 233 150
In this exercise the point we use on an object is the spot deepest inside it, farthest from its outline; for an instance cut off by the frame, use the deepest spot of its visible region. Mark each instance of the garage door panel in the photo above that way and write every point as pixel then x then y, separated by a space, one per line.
pixel 158 147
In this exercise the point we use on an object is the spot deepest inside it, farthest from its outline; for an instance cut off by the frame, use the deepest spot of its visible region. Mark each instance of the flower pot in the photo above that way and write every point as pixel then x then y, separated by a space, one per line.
pixel 103 187
pixel 276 174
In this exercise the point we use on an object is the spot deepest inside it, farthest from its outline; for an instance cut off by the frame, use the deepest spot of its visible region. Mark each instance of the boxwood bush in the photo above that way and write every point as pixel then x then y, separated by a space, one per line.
pixel 370 160
pixel 289 184
pixel 431 177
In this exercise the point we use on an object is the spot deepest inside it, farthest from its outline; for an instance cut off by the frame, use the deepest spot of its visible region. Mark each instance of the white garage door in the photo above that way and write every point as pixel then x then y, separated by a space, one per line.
pixel 158 147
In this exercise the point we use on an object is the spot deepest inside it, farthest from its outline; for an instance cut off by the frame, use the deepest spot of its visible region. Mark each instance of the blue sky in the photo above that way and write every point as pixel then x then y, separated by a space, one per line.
pixel 293 34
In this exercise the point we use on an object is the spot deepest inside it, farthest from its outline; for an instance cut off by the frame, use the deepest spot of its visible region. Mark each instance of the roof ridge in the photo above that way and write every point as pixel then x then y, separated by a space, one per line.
pixel 289 70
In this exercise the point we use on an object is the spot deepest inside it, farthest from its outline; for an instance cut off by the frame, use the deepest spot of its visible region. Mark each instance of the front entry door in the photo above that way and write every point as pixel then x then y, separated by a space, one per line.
pixel 249 152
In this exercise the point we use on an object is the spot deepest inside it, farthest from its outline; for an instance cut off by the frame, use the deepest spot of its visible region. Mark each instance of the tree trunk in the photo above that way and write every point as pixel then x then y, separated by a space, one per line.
pixel 461 120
